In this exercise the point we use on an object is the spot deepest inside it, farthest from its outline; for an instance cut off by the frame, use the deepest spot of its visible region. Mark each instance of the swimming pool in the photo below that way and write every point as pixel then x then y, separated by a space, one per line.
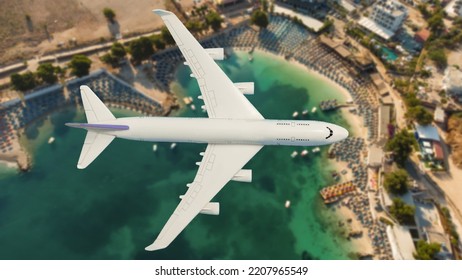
pixel 389 54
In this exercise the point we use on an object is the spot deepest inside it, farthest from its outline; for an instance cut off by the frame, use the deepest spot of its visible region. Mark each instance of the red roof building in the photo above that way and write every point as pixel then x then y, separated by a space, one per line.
pixel 422 36
pixel 438 150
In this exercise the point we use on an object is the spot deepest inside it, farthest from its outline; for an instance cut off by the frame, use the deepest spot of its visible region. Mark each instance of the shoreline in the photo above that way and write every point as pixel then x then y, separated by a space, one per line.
pixel 360 245
pixel 354 121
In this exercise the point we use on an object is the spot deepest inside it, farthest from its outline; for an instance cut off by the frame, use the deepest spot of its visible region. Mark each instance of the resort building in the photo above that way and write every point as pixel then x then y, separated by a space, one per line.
pixel 454 8
pixel 439 115
pixel 422 35
pixel 379 84
pixel 308 21
pixel 302 4
pixel 384 122
pixel 386 18
pixel 430 226
pixel 226 3
pixel 375 157
pixel 338 47
pixel 430 145
pixel 452 82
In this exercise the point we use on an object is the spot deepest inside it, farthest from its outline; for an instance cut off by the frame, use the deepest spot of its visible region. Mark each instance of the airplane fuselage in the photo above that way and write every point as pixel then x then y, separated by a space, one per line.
pixel 228 131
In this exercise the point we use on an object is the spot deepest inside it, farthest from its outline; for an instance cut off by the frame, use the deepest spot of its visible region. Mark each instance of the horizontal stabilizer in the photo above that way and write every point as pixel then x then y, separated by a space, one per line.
pixel 94 144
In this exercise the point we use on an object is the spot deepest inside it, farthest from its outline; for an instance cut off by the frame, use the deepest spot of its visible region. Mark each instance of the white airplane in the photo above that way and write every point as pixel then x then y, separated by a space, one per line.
pixel 235 131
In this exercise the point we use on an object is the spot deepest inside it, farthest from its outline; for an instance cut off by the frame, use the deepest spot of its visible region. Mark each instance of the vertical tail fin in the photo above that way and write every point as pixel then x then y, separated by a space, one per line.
pixel 95 110
pixel 95 141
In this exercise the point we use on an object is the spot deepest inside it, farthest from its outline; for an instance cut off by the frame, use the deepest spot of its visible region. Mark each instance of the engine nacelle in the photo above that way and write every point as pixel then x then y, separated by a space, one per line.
pixel 211 208
pixel 216 53
pixel 245 88
pixel 243 175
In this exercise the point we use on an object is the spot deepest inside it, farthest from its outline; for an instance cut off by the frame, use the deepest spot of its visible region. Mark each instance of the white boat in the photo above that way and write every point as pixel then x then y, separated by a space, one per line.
pixel 287 204
pixel 154 147
pixel 293 154
pixel 305 112
pixel 313 110
pixel 316 150
pixel 172 146
pixel 295 114
pixel 304 153
pixel 250 58
pixel 193 107
pixel 51 140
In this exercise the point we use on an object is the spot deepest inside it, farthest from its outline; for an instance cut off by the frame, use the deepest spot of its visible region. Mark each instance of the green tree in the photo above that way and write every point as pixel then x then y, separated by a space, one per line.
pixel 264 5
pixel 156 39
pixel 260 18
pixel 194 25
pixel 214 20
pixel 118 50
pixel 166 36
pixel 420 115
pixel 401 146
pixel 141 49
pixel 80 65
pixel 327 25
pixel 23 82
pixel 438 55
pixel 109 14
pixel 110 60
pixel 411 99
pixel 423 8
pixel 436 23
pixel 402 212
pixel 396 182
pixel 426 251
pixel 47 73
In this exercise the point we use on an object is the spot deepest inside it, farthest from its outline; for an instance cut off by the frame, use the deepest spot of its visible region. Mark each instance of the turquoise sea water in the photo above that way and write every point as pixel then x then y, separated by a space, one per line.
pixel 118 205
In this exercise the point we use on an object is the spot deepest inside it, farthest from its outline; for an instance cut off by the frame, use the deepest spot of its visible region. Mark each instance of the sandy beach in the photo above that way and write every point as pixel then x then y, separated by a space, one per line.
pixel 361 244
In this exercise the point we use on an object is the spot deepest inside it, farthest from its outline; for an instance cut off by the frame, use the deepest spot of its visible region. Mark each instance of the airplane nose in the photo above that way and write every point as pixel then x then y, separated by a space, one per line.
pixel 342 133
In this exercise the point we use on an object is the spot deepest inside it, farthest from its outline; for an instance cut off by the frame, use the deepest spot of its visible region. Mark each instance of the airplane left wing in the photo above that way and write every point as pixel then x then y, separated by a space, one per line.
pixel 219 164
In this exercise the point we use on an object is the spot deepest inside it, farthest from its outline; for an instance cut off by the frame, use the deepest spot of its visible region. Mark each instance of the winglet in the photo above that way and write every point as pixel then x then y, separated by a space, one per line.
pixel 161 12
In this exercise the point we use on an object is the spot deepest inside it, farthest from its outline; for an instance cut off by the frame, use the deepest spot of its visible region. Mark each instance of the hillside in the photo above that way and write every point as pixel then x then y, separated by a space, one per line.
pixel 33 27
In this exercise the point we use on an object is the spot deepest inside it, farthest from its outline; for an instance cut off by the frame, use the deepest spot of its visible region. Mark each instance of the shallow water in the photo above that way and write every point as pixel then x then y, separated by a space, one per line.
pixel 118 205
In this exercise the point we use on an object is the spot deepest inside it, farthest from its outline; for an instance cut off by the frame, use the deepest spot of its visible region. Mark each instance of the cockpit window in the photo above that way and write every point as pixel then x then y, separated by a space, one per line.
pixel 331 132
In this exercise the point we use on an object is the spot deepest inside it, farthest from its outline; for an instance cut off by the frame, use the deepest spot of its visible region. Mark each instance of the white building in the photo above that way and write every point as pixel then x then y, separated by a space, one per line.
pixel 452 82
pixel 386 18
pixel 454 8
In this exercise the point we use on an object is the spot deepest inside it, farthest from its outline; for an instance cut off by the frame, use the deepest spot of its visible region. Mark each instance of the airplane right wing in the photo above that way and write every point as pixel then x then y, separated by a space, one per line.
pixel 221 97
pixel 219 164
